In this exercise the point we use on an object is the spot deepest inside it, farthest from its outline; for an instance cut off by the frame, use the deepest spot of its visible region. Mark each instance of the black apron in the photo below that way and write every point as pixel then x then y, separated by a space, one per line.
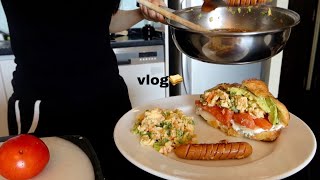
pixel 67 79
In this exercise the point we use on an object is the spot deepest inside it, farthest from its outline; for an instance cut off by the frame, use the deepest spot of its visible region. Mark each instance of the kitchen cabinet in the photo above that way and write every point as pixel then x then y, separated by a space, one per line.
pixel 141 79
pixel 142 65
pixel 3 109
pixel 7 67
pixel 143 69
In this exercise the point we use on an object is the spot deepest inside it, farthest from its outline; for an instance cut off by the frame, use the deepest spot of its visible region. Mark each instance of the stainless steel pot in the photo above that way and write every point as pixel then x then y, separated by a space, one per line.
pixel 239 35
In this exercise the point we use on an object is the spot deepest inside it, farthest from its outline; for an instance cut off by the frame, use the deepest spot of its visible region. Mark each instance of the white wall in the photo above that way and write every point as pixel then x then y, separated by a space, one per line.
pixel 131 4
pixel 3 20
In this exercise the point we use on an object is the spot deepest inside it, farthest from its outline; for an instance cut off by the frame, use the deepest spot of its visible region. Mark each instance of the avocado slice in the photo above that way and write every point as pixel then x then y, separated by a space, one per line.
pixel 273 114
pixel 266 104
pixel 261 101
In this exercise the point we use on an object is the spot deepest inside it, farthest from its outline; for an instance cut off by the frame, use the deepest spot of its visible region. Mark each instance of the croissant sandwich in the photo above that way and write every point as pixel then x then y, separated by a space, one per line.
pixel 244 110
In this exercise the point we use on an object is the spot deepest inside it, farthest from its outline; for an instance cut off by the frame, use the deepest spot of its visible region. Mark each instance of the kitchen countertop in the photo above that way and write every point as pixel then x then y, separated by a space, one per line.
pixel 135 43
pixel 133 39
pixel 5 47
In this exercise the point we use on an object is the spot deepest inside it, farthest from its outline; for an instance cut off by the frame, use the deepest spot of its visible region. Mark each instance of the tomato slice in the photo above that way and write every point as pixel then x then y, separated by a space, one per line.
pixel 198 103
pixel 227 115
pixel 223 115
pixel 244 119
pixel 263 123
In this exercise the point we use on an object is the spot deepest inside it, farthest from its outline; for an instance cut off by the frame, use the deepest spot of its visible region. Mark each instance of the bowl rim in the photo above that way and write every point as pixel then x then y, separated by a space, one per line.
pixel 295 16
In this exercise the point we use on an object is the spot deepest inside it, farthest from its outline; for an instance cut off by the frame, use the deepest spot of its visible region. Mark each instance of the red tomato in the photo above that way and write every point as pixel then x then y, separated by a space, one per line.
pixel 245 119
pixel 23 157
pixel 223 115
pixel 263 123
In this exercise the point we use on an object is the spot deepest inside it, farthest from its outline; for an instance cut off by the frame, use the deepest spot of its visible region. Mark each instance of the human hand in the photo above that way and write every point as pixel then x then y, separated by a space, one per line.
pixel 150 14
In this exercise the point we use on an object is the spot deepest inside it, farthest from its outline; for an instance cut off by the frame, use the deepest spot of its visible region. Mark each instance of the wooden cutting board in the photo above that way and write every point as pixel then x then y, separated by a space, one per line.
pixel 67 162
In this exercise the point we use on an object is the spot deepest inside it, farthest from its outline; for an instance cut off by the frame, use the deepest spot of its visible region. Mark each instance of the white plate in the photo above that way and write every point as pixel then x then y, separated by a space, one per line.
pixel 292 151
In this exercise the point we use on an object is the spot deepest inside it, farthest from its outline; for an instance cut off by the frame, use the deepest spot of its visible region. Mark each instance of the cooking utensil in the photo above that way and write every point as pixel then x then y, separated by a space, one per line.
pixel 172 16
pixel 210 5
pixel 239 35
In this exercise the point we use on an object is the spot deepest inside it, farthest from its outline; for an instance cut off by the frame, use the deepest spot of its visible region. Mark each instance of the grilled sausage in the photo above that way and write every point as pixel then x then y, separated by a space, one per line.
pixel 218 151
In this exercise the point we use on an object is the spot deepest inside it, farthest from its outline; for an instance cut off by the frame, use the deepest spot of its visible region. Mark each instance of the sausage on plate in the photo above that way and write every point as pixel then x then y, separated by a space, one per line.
pixel 218 151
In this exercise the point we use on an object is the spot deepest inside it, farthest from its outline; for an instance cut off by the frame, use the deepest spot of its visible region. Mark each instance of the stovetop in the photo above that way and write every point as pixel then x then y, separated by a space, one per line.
pixel 135 38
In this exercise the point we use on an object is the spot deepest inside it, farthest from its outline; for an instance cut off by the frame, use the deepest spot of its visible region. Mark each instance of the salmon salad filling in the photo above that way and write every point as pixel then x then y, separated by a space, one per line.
pixel 240 109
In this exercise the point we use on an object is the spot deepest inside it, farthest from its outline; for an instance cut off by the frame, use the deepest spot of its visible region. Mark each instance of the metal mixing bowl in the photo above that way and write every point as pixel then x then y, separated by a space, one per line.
pixel 238 35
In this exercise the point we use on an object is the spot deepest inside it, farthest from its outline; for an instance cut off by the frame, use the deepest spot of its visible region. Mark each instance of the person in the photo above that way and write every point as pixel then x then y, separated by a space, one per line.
pixel 66 80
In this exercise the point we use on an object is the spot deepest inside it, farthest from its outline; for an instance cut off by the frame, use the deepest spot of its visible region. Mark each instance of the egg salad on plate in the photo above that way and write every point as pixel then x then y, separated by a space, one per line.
pixel 164 129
